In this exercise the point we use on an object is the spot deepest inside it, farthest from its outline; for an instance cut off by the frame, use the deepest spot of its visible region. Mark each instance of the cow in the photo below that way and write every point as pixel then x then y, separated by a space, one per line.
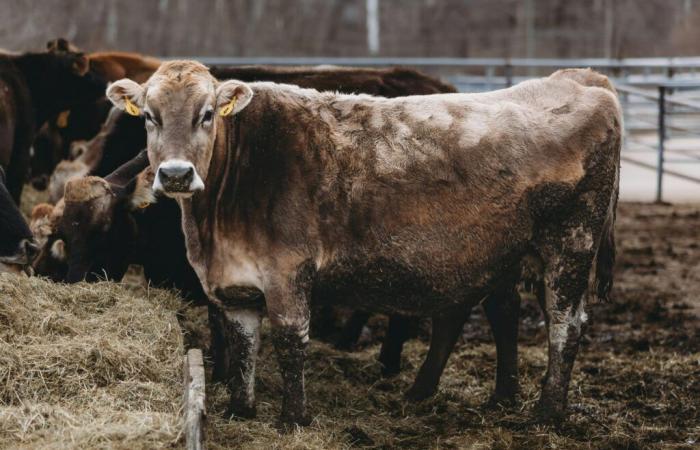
pixel 33 88
pixel 415 205
pixel 17 247
pixel 103 225
pixel 123 135
pixel 83 121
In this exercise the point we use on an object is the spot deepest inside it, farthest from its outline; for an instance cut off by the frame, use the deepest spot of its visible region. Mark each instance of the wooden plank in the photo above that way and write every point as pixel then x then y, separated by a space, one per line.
pixel 194 400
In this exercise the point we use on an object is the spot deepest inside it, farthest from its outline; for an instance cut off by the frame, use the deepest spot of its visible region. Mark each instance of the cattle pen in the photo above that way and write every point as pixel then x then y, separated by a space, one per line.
pixel 125 364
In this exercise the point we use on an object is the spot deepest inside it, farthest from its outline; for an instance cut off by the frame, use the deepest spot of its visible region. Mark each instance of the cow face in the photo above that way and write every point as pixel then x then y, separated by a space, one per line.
pixel 62 81
pixel 183 106
pixel 51 260
pixel 17 248
pixel 94 234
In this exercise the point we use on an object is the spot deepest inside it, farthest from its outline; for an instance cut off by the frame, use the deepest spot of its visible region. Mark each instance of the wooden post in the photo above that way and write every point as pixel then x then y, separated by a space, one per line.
pixel 195 412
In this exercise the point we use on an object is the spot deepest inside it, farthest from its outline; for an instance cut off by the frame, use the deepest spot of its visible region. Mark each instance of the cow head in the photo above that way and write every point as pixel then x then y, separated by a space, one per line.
pixel 51 261
pixel 59 81
pixel 183 106
pixel 94 231
pixel 17 248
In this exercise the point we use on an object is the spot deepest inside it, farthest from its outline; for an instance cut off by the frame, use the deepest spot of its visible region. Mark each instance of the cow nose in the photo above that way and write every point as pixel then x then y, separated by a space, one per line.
pixel 177 172
pixel 176 178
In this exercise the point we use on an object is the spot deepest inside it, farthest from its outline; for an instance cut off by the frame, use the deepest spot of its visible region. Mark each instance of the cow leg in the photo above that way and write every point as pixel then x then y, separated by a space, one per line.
pixel 241 332
pixel 566 279
pixel 401 329
pixel 352 330
pixel 219 351
pixel 502 310
pixel 288 310
pixel 446 329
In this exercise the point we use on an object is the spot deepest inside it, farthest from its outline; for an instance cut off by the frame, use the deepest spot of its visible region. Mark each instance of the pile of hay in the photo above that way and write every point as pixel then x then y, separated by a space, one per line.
pixel 88 366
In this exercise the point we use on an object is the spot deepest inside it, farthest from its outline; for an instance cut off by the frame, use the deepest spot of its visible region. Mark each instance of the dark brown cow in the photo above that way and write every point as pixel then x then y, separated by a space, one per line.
pixel 33 88
pixel 83 121
pixel 418 205
pixel 17 248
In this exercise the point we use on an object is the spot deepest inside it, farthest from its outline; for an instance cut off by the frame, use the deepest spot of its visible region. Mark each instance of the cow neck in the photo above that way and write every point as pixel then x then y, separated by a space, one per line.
pixel 199 213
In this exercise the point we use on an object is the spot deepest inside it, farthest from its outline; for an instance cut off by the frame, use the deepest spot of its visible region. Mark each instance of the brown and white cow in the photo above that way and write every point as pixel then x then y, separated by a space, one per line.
pixel 419 205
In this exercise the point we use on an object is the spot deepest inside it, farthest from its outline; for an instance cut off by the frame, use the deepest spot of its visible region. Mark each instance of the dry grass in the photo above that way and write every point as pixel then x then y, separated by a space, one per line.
pixel 88 366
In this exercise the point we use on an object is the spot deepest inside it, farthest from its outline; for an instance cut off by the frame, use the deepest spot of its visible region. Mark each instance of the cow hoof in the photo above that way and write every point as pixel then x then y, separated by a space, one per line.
pixel 547 413
pixel 419 393
pixel 287 424
pixel 390 370
pixel 240 412
pixel 501 401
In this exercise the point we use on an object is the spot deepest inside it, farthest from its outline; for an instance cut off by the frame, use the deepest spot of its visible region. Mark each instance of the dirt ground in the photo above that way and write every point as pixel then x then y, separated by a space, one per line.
pixel 636 382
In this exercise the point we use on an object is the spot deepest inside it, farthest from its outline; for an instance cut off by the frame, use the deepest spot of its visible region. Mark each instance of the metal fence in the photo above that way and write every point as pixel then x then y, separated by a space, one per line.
pixel 660 97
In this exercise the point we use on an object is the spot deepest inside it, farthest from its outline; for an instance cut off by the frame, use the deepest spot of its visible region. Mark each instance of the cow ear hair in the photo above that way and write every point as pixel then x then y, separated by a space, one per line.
pixel 127 95
pixel 232 96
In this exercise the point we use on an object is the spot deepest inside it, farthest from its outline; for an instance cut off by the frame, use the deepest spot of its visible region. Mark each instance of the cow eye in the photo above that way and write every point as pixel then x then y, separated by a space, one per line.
pixel 149 117
pixel 207 116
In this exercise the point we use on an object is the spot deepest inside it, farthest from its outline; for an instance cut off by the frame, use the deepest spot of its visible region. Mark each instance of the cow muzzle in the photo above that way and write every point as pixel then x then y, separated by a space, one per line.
pixel 177 178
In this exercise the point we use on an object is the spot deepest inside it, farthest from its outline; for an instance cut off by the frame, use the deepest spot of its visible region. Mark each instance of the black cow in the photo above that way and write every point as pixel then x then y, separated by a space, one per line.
pixel 17 248
pixel 33 88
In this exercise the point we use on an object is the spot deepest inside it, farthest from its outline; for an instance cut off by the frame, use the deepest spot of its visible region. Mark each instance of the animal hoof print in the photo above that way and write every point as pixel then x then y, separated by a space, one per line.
pixel 239 412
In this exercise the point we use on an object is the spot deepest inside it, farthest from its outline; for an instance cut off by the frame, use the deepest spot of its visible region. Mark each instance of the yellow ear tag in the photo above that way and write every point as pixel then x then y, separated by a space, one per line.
pixel 62 119
pixel 228 109
pixel 131 108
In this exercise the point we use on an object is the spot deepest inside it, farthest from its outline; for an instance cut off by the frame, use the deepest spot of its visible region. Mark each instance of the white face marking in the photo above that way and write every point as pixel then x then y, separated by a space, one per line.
pixel 195 185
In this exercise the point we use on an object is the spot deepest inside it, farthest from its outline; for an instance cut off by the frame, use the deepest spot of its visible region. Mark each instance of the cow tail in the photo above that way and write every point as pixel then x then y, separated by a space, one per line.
pixel 605 259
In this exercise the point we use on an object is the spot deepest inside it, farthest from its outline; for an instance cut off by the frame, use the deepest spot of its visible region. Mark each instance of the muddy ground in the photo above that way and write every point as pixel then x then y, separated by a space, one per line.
pixel 636 382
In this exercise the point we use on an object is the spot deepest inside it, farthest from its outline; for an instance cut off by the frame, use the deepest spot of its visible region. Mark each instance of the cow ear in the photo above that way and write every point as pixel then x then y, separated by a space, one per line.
pixel 127 95
pixel 232 96
pixel 58 45
pixel 81 64
pixel 142 195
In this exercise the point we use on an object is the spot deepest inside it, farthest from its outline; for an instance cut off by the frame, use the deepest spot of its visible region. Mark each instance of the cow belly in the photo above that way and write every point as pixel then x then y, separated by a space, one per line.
pixel 390 287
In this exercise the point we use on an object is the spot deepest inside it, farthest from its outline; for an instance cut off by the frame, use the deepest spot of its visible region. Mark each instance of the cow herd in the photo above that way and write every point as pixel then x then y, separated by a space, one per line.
pixel 261 191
